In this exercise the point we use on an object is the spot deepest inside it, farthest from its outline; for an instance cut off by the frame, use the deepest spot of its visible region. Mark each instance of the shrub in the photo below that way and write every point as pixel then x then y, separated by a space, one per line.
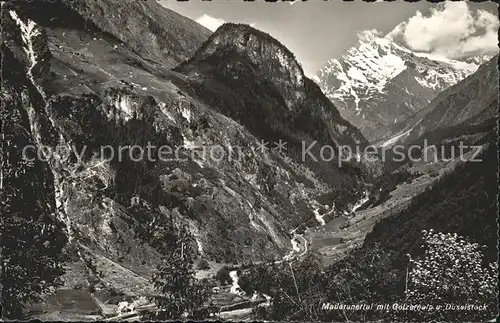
pixel 452 272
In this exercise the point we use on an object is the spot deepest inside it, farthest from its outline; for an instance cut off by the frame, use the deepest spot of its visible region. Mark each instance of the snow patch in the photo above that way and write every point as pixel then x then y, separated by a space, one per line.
pixel 186 114
pixel 356 74
pixel 316 79
pixel 124 105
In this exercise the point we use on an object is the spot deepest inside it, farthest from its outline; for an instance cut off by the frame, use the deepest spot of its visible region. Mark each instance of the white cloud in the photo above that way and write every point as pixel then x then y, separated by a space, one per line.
pixel 368 35
pixel 452 30
pixel 210 22
pixel 213 23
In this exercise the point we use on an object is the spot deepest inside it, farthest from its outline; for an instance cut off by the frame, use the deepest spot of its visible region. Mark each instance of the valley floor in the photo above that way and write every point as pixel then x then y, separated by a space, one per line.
pixel 331 241
pixel 337 238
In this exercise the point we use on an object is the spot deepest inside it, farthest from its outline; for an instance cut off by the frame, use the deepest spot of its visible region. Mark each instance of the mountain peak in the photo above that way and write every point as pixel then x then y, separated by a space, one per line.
pixel 241 59
pixel 259 48
pixel 245 34
pixel 378 74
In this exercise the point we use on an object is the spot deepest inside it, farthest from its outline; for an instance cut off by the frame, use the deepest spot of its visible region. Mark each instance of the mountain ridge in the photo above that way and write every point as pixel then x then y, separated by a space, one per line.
pixel 94 90
pixel 78 87
pixel 378 82
pixel 172 38
pixel 470 102
pixel 281 69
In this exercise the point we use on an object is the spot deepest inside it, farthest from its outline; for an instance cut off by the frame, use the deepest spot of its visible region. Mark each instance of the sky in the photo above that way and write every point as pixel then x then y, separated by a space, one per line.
pixel 316 31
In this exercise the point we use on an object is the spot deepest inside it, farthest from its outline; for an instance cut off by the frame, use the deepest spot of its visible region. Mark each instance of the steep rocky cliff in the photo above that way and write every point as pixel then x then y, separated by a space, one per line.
pixel 97 85
pixel 250 77
pixel 241 58
pixel 32 230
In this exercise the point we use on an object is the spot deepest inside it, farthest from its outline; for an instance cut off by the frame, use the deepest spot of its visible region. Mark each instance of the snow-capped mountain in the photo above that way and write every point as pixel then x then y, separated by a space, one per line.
pixel 378 82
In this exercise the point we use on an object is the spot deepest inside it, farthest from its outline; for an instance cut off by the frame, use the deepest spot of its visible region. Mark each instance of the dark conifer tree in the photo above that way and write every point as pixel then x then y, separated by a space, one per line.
pixel 180 296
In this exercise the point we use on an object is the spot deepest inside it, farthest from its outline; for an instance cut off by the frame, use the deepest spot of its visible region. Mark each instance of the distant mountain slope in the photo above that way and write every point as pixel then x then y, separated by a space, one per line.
pixel 464 113
pixel 377 83
pixel 149 29
pixel 461 115
pixel 470 102
pixel 463 201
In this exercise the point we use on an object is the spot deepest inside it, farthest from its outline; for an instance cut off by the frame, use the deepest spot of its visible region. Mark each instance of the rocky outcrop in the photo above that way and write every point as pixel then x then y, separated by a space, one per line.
pixel 252 78
pixel 95 86
pixel 256 47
